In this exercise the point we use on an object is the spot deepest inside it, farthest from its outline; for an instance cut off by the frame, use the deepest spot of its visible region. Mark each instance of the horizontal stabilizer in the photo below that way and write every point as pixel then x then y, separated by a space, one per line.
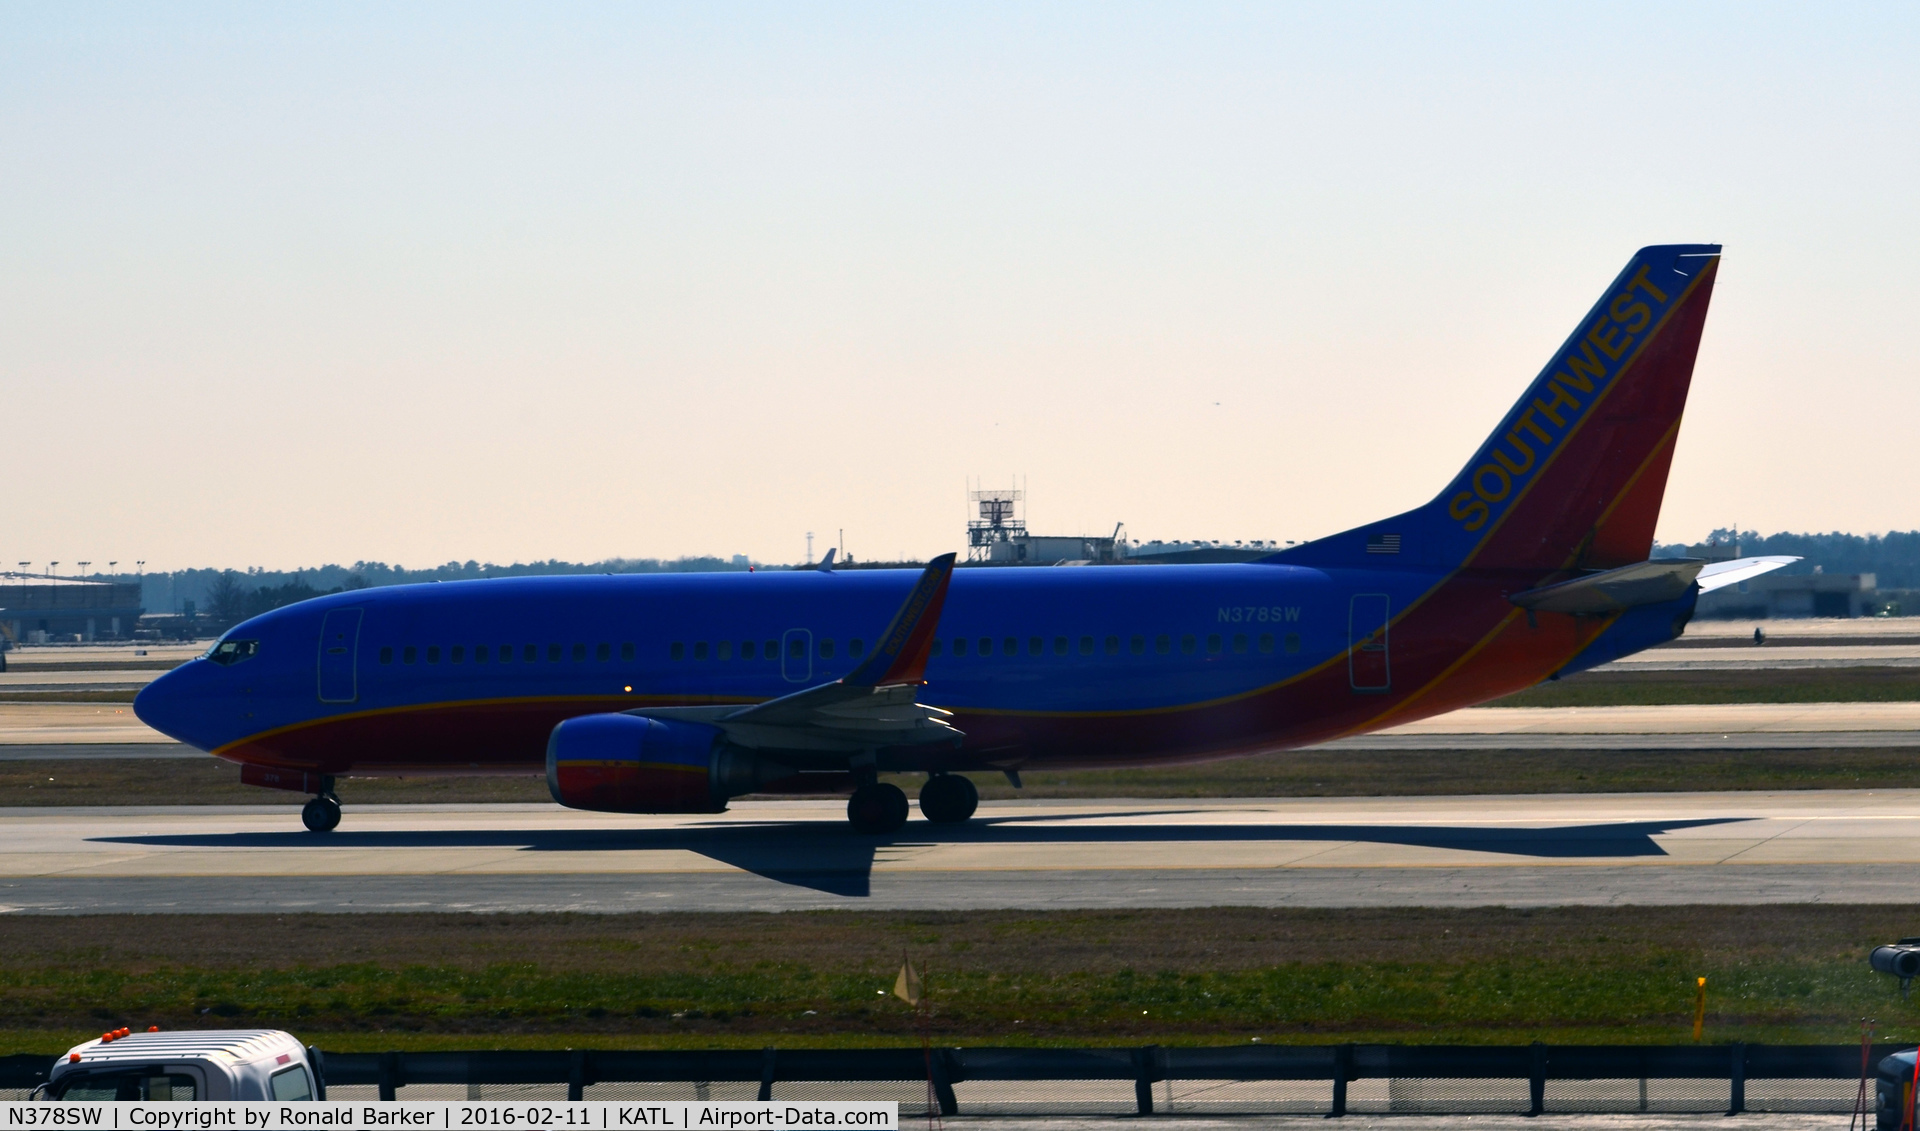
pixel 1612 590
pixel 1721 574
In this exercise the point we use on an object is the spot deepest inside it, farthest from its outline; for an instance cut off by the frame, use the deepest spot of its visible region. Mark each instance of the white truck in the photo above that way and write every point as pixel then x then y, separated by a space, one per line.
pixel 206 1064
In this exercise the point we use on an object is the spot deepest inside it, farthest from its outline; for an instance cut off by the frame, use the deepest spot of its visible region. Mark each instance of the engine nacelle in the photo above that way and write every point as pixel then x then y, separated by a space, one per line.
pixel 620 763
pixel 1901 959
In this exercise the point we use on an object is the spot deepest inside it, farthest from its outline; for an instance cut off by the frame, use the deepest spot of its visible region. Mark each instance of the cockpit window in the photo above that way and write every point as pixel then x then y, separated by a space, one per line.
pixel 230 652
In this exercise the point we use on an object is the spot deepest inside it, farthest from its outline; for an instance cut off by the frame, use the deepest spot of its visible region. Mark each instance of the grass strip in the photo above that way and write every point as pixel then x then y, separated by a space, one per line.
pixel 1764 685
pixel 1776 974
pixel 1307 773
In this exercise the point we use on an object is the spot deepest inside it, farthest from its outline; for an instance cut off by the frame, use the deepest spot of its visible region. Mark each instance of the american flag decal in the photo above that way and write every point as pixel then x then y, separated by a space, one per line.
pixel 1383 543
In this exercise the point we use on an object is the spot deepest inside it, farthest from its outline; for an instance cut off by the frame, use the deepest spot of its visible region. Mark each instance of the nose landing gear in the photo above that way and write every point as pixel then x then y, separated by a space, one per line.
pixel 322 813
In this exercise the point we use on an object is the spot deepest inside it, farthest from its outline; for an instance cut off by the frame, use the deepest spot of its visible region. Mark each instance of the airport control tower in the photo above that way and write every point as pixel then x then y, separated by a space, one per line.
pixel 1000 524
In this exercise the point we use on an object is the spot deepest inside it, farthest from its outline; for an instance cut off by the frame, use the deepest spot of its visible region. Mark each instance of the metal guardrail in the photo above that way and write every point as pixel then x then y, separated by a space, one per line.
pixel 1339 1065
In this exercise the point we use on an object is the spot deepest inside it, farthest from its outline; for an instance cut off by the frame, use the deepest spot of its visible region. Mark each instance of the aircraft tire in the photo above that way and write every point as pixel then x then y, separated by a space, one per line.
pixel 320 815
pixel 877 808
pixel 948 799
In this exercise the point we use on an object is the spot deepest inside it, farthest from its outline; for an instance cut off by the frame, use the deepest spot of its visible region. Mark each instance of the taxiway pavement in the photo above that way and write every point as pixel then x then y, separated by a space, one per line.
pixel 1788 847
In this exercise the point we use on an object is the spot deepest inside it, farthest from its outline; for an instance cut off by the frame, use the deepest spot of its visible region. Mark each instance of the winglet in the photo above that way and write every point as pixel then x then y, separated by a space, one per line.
pixel 901 655
pixel 826 563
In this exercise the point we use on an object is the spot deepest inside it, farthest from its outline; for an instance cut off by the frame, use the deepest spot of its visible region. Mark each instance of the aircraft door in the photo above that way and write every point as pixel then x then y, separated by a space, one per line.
pixel 339 643
pixel 1367 659
pixel 796 655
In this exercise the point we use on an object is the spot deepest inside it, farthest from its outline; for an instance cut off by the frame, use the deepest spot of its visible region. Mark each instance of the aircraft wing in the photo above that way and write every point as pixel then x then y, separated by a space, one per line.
pixel 875 705
pixel 1721 574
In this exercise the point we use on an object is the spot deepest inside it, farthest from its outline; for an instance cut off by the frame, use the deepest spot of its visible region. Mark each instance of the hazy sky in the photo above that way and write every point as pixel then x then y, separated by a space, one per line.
pixel 287 284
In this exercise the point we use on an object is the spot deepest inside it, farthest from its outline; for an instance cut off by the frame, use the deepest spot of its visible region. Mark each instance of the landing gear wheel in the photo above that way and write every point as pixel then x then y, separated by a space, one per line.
pixel 321 815
pixel 948 799
pixel 877 808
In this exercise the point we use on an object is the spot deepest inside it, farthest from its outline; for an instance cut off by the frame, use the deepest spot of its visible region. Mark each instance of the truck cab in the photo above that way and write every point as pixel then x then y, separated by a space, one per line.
pixel 208 1064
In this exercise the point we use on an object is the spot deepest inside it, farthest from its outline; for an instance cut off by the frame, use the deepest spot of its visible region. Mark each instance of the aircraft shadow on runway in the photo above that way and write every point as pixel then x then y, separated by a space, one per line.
pixel 829 857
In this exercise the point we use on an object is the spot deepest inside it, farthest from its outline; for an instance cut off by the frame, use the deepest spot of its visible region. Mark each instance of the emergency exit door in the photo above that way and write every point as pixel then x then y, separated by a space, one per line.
pixel 1368 668
pixel 339 643
pixel 796 655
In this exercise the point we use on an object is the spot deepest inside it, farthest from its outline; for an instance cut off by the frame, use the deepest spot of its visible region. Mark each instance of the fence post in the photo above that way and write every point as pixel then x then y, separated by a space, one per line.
pixel 767 1056
pixel 392 1075
pixel 576 1075
pixel 1342 1069
pixel 943 1084
pixel 1537 1081
pixel 1143 1079
pixel 1737 1078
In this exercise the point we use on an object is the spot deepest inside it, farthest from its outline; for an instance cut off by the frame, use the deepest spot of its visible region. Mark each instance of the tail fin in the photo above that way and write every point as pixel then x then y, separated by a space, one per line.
pixel 1573 477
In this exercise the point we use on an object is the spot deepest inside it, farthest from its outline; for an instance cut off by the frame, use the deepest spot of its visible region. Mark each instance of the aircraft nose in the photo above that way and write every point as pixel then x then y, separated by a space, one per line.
pixel 171 703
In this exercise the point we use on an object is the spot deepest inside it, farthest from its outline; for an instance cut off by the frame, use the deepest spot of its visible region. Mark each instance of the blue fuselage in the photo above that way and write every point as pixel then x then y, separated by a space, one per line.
pixel 1039 666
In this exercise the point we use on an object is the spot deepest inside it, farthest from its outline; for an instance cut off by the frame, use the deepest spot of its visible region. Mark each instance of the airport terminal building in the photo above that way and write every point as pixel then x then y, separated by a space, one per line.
pixel 36 609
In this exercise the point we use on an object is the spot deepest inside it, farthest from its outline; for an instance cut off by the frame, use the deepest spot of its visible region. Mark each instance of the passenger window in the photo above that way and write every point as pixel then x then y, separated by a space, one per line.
pixel 856 647
pixel 1213 644
pixel 1035 646
pixel 826 649
pixel 579 653
pixel 1138 645
pixel 386 654
pixel 603 653
pixel 723 650
pixel 1086 645
pixel 1113 645
pixel 1010 646
pixel 1163 645
pixel 291 1084
pixel 433 654
pixel 553 653
pixel 677 650
pixel 530 653
pixel 1266 642
pixel 626 651
pixel 1186 645
pixel 797 648
pixel 1059 645
pixel 959 645
pixel 506 653
pixel 934 648
pixel 986 645
pixel 479 653
pixel 457 654
pixel 1293 642
pixel 771 650
pixel 700 650
pixel 409 654
pixel 1239 641
pixel 746 649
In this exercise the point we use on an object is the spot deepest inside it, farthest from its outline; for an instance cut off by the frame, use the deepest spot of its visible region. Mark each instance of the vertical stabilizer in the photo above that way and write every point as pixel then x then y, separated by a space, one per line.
pixel 1574 475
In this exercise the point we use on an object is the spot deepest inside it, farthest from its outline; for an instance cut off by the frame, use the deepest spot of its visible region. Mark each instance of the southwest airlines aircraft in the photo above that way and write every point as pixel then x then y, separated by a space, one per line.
pixel 672 694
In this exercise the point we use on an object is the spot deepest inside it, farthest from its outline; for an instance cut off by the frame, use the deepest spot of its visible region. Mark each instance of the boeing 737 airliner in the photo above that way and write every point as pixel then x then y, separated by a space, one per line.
pixel 672 694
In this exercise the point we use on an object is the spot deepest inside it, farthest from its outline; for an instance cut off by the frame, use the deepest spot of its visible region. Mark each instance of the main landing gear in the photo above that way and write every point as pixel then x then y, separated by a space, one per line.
pixel 321 814
pixel 879 808
pixel 948 799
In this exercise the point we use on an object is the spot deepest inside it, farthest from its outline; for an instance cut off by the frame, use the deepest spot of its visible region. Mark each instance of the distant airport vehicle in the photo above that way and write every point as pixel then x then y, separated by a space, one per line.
pixel 206 1064
pixel 674 693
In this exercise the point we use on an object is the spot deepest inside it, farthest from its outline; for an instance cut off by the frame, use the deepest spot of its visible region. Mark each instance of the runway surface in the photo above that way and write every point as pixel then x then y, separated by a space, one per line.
pixel 1812 846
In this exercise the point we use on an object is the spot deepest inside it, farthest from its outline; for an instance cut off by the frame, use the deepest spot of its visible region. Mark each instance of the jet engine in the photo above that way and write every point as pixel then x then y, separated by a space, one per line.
pixel 619 763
